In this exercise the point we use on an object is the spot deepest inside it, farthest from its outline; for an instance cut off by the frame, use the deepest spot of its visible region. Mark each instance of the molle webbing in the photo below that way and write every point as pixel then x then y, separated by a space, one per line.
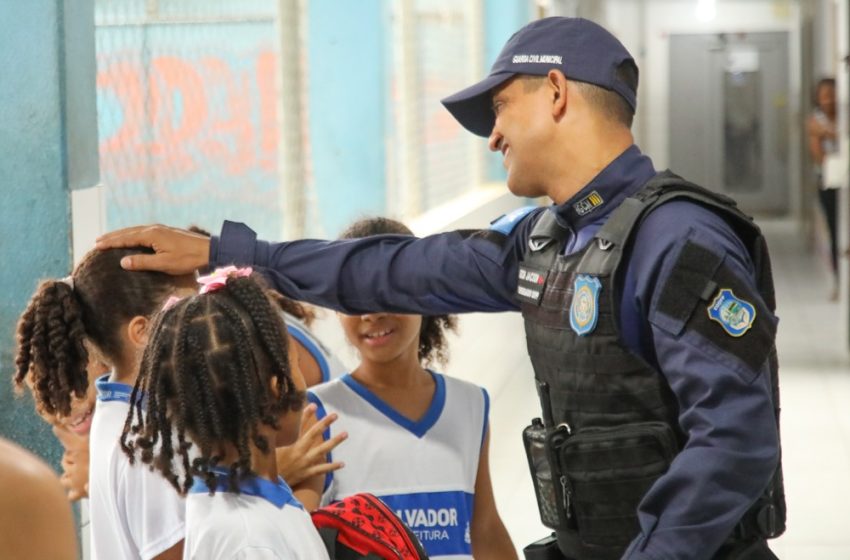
pixel 593 380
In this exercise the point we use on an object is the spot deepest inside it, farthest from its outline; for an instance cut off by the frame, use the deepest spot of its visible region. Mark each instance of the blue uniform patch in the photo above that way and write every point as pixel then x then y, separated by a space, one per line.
pixel 735 315
pixel 584 310
pixel 506 223
pixel 588 204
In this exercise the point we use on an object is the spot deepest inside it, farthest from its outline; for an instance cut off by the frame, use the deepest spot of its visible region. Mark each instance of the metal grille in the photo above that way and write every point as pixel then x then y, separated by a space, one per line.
pixel 443 44
pixel 437 46
pixel 188 112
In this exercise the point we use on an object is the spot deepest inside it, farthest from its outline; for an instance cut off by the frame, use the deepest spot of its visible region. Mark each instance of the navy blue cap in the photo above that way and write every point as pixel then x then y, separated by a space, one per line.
pixel 584 51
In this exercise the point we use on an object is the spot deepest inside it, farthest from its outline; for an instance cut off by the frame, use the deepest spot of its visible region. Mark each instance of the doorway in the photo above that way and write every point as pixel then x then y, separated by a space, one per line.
pixel 729 116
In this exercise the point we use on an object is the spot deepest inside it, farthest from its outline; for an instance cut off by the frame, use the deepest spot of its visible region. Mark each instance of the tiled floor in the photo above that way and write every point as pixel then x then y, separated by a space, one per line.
pixel 815 386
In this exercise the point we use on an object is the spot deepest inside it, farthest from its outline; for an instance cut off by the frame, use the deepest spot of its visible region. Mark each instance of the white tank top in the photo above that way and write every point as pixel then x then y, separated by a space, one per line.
pixel 425 471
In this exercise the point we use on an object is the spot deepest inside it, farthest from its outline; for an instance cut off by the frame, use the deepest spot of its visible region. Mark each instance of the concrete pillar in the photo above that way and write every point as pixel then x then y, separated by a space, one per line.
pixel 502 18
pixel 48 146
pixel 348 56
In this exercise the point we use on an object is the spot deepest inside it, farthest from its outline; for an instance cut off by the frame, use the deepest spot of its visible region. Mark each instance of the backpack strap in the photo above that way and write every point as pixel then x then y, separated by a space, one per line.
pixel 330 536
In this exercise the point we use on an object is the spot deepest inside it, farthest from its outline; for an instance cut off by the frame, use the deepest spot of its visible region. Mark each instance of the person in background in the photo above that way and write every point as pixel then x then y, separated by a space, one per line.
pixel 822 141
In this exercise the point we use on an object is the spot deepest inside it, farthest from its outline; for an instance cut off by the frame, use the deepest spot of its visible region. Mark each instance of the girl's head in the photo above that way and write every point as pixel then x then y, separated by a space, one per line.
pixel 825 95
pixel 216 373
pixel 372 340
pixel 72 326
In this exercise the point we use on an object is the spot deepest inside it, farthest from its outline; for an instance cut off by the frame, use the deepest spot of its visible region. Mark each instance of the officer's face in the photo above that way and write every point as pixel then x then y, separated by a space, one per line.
pixel 382 338
pixel 523 128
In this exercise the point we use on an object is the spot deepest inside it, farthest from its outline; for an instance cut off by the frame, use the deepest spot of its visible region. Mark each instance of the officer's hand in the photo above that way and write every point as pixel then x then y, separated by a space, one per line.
pixel 176 251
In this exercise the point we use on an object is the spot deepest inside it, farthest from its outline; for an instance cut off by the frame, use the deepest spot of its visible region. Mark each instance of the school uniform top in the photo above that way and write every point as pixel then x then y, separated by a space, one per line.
pixel 263 522
pixel 135 513
pixel 329 365
pixel 425 470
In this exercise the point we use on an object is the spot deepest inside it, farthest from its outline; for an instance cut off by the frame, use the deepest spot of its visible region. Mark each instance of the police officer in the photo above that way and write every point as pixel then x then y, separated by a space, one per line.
pixel 648 305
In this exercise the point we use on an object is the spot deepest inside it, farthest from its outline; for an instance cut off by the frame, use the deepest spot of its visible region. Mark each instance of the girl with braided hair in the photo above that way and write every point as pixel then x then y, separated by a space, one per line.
pixel 318 362
pixel 416 439
pixel 217 392
pixel 101 314
pixel 306 457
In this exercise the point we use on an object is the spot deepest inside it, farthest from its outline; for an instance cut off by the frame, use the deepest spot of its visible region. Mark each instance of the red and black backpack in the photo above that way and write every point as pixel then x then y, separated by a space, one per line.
pixel 362 527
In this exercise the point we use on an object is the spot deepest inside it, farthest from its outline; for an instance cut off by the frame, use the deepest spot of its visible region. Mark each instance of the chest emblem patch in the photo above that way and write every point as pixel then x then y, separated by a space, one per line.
pixel 584 310
pixel 735 315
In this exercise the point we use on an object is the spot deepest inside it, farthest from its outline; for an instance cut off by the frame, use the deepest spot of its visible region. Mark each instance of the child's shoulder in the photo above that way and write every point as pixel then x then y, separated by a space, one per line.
pixel 226 515
pixel 460 386
pixel 328 389
pixel 242 525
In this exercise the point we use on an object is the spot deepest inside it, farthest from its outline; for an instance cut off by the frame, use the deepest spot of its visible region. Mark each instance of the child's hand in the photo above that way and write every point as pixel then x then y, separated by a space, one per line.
pixel 307 457
pixel 75 463
pixel 75 478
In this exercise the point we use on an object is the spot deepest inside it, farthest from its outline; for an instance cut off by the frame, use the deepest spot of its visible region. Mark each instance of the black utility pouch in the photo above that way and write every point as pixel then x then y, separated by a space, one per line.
pixel 603 474
pixel 534 441
pixel 544 549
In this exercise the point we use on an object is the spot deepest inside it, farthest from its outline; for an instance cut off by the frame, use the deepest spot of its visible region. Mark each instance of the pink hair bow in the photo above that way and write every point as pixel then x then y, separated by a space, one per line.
pixel 170 302
pixel 218 278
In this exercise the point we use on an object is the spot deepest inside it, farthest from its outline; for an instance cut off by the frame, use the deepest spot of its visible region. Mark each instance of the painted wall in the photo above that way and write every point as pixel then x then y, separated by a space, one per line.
pixel 502 18
pixel 348 59
pixel 187 111
pixel 46 147
pixel 189 125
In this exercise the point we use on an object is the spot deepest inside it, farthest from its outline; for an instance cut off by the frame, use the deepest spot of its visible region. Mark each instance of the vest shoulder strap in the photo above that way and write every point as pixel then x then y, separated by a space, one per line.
pixel 545 241
pixel 548 236
pixel 664 187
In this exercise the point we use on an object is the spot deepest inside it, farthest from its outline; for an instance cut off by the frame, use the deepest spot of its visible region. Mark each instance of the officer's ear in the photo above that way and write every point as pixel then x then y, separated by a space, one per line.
pixel 556 82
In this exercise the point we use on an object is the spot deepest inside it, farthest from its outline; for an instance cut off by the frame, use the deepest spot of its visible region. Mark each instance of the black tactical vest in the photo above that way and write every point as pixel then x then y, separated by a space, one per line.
pixel 593 386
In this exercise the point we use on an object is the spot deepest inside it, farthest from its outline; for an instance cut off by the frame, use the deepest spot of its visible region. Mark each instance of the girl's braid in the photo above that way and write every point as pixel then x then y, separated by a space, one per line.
pixel 208 370
pixel 253 299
